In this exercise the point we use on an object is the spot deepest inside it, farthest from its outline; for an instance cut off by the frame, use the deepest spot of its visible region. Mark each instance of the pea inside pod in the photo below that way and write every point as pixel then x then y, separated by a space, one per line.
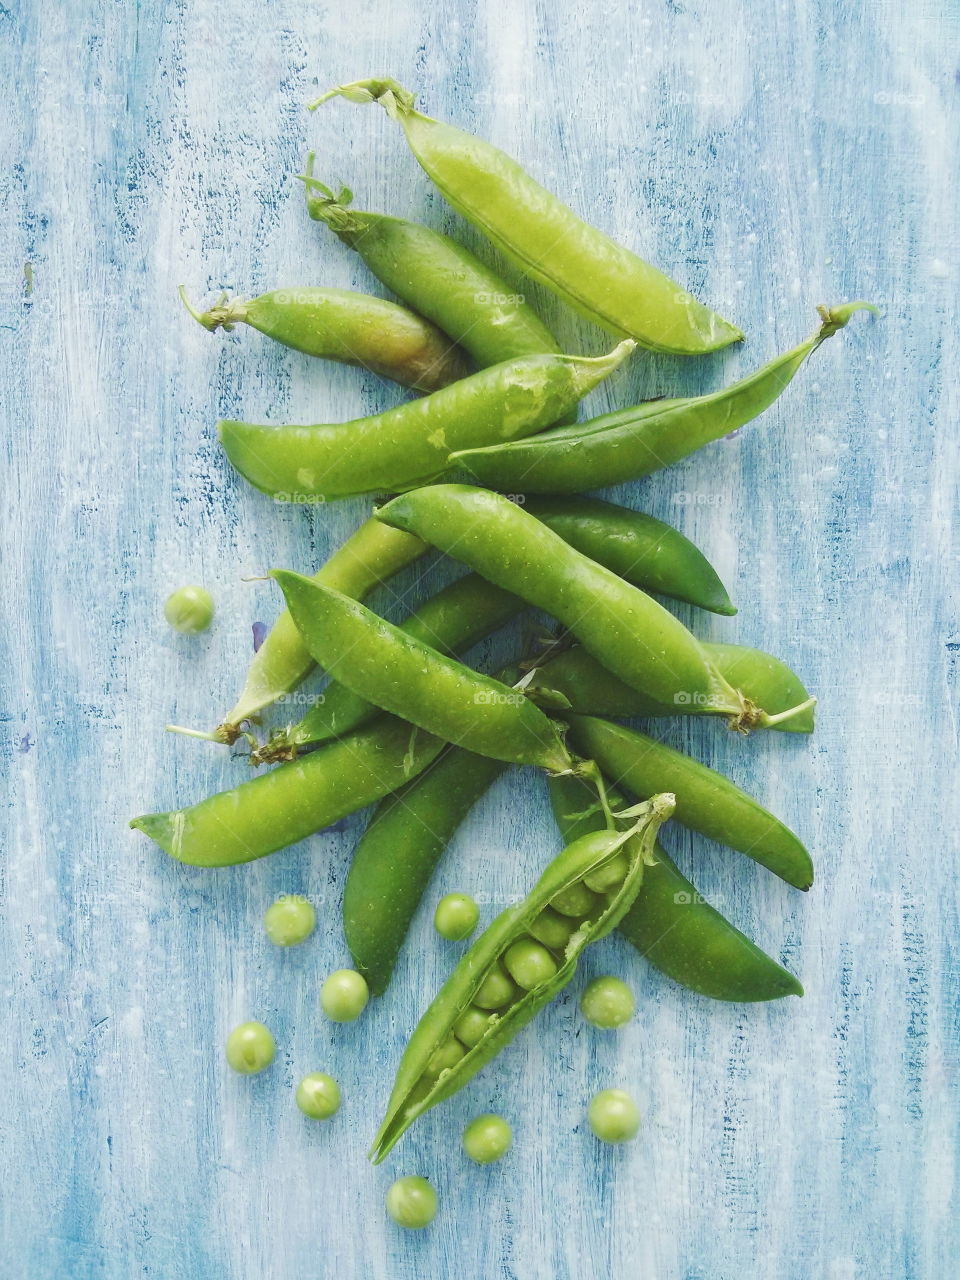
pixel 353 328
pixel 436 276
pixel 599 278
pixel 417 1087
pixel 410 444
pixel 631 443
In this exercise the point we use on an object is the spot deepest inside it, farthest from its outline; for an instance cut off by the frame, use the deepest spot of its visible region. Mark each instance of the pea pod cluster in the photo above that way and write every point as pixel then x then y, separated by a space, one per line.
pixel 518 965
pixel 409 720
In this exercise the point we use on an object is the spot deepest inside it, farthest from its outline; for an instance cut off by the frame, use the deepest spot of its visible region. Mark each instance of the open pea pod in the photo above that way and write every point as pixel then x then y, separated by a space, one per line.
pixel 437 1063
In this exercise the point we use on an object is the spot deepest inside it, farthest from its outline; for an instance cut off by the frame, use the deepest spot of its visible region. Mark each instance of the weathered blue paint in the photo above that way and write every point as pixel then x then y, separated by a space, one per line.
pixel 772 157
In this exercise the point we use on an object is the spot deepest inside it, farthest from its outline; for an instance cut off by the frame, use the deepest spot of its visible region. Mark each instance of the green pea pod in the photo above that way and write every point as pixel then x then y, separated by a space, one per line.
pixel 632 635
pixel 631 443
pixel 706 801
pixel 397 854
pixel 354 328
pixel 587 687
pixel 293 801
pixel 417 1088
pixel 368 558
pixel 408 445
pixel 393 670
pixel 641 549
pixel 592 273
pixel 451 622
pixel 673 926
pixel 436 276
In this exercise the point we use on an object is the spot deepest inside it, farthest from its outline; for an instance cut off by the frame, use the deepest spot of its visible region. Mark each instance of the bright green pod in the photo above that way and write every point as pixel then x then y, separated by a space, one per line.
pixel 599 278
pixel 631 634
pixel 672 925
pixel 398 853
pixel 707 801
pixel 451 622
pixel 437 277
pixel 293 801
pixel 575 678
pixel 366 560
pixel 403 675
pixel 639 548
pixel 353 328
pixel 414 1091
pixel 409 445
pixel 635 442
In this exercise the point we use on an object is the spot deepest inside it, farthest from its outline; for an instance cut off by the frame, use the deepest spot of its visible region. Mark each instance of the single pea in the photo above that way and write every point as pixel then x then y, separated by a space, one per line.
pixel 552 929
pixel 614 1116
pixel 487 1139
pixel 318 1096
pixel 607 1003
pixel 495 990
pixel 576 900
pixel 529 963
pixel 412 1202
pixel 344 995
pixel 456 917
pixel 610 875
pixel 189 610
pixel 472 1026
pixel 445 1056
pixel 290 920
pixel 250 1048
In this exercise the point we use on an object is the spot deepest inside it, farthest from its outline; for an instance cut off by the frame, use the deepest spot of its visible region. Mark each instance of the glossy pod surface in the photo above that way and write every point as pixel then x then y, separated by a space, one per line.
pixel 631 443
pixel 410 444
pixel 707 801
pixel 671 924
pixel 599 278
pixel 639 548
pixel 294 800
pixel 418 1087
pixel 439 278
pixel 451 621
pixel 390 668
pixel 368 558
pixel 354 328
pixel 398 853
pixel 625 629
pixel 590 689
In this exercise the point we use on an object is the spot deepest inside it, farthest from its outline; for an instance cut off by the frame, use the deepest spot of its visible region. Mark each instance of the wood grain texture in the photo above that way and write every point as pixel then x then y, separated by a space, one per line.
pixel 771 157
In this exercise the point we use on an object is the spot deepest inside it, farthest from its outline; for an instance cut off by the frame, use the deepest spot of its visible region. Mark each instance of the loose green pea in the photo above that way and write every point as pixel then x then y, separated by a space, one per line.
pixel 607 1003
pixel 552 929
pixel 495 990
pixel 412 1202
pixel 576 901
pixel 487 1138
pixel 190 609
pixel 614 1116
pixel 609 876
pixel 445 1056
pixel 250 1048
pixel 456 917
pixel 344 995
pixel 290 920
pixel 318 1096
pixel 529 963
pixel 472 1026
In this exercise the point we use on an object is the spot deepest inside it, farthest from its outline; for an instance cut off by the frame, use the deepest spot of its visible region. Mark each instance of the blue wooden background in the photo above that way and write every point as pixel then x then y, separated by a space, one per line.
pixel 770 156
